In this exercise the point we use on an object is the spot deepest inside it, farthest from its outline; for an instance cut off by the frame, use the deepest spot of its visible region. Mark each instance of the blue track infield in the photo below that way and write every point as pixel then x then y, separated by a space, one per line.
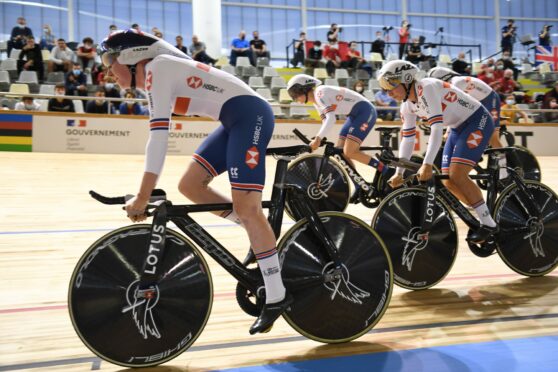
pixel 536 354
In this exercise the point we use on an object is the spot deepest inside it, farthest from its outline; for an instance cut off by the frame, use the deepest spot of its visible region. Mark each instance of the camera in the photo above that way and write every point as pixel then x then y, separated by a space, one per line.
pixel 408 25
pixel 548 27
pixel 385 28
pixel 441 29
pixel 340 29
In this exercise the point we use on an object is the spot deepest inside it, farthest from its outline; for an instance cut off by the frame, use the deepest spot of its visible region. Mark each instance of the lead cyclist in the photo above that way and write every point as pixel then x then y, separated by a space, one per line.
pixel 442 104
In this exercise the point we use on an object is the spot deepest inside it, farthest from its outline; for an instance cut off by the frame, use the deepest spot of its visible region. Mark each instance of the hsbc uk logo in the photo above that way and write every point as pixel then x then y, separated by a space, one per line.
pixel 420 90
pixel 252 157
pixel 451 96
pixel 148 81
pixel 194 82
pixel 474 139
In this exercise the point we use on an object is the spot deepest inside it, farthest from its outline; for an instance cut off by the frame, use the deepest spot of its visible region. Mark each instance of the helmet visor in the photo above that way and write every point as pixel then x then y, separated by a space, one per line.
pixel 387 84
pixel 296 92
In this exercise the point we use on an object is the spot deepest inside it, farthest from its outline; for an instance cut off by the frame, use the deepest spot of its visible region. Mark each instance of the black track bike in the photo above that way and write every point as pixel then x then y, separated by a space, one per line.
pixel 419 230
pixel 327 178
pixel 142 294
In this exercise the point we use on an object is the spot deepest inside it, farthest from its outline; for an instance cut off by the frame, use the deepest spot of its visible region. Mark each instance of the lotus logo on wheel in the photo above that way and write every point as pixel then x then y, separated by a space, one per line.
pixel 141 302
pixel 414 242
pixel 319 189
pixel 536 230
pixel 343 286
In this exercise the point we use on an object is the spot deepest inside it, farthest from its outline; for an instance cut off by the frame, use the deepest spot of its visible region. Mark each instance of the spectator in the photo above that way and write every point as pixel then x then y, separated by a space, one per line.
pixel 60 104
pixel 48 41
pixel 358 87
pixel 76 81
pixel 100 105
pixel 404 35
pixel 490 62
pixel 299 48
pixel 383 99
pixel 333 58
pixel 197 48
pixel 414 53
pixel 241 48
pixel 180 44
pixel 111 90
pixel 136 27
pixel 61 57
pixel 499 70
pixel 354 59
pixel 379 45
pixel 487 75
pixel 544 36
pixel 315 55
pixel 507 84
pixel 460 65
pixel 258 46
pixel 513 115
pixel 112 28
pixel 333 34
pixel 27 104
pixel 159 34
pixel 86 54
pixel 129 106
pixel 31 58
pixel 508 37
pixel 549 102
pixel 19 35
pixel 506 60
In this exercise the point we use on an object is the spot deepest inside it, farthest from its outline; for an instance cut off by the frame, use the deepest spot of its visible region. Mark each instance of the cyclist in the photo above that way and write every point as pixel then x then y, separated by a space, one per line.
pixel 176 83
pixel 330 100
pixel 442 104
pixel 481 91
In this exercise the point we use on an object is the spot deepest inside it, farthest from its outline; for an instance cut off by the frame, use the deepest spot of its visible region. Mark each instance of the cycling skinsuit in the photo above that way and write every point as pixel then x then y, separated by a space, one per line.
pixel 187 87
pixel 361 115
pixel 442 103
pixel 482 92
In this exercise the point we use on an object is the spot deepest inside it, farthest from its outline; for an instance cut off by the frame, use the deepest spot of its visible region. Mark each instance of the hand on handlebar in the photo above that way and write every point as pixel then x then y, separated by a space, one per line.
pixel 315 143
pixel 135 208
pixel 425 172
pixel 396 181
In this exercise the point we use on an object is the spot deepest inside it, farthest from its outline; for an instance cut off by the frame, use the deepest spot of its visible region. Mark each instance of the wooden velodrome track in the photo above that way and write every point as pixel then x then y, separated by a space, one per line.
pixel 47 220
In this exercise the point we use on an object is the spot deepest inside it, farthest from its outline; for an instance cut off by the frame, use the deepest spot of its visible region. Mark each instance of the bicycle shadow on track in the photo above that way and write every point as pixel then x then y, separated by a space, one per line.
pixel 165 369
pixel 490 299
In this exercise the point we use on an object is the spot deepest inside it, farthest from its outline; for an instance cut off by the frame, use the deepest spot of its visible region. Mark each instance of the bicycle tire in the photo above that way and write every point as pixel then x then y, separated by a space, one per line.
pixel 335 312
pixel 304 172
pixel 108 317
pixel 398 221
pixel 523 160
pixel 516 246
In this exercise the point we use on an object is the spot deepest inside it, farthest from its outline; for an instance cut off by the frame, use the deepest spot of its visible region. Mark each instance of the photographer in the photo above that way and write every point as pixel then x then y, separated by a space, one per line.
pixel 379 44
pixel 404 35
pixel 333 33
pixel 508 36
pixel 544 36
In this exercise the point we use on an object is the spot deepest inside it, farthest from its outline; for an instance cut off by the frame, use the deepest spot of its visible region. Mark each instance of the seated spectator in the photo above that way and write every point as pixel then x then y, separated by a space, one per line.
pixel 76 81
pixel 241 48
pixel 506 84
pixel 333 33
pixel 513 115
pixel 61 57
pixel 358 87
pixel 60 104
pixel 258 46
pixel 31 58
pixel 414 52
pixel 100 105
pixel 379 45
pixel 179 44
pixel 111 89
pixel 333 59
pixel 130 107
pixel 549 102
pixel 507 62
pixel 197 48
pixel 383 99
pixel 86 55
pixel 27 104
pixel 315 55
pixel 299 48
pixel 460 65
pixel 490 62
pixel 498 70
pixel 112 28
pixel 48 40
pixel 19 35
pixel 354 59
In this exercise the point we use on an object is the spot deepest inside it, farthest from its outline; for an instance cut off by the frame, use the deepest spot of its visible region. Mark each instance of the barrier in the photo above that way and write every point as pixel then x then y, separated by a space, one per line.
pixel 116 134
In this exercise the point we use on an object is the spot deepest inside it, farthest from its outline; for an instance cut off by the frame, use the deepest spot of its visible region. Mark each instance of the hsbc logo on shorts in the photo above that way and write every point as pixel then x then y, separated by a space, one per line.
pixel 450 96
pixel 194 82
pixel 364 127
pixel 474 139
pixel 252 157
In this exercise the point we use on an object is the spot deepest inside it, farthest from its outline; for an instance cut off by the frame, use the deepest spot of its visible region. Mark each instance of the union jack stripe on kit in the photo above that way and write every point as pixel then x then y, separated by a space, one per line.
pixel 468 162
pixel 266 254
pixel 435 119
pixel 204 163
pixel 411 132
pixel 477 204
pixel 159 124
pixel 247 186
pixel 356 139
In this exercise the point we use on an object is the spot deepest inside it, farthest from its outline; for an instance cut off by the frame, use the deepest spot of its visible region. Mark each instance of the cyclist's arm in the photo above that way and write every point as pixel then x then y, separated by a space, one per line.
pixel 328 120
pixel 408 135
pixel 435 121
pixel 326 107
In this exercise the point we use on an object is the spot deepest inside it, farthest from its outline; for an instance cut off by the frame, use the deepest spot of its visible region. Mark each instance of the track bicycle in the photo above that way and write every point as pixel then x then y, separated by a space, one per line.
pixel 417 225
pixel 327 178
pixel 142 294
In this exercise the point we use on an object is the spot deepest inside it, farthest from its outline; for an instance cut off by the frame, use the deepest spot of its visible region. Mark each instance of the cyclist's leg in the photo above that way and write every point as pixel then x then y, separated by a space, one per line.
pixel 449 148
pixel 492 104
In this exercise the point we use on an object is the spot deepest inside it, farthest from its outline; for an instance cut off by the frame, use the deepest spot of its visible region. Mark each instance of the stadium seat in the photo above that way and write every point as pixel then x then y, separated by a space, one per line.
pixel 320 73
pixel 298 111
pixel 19 88
pixel 277 83
pixel 243 61
pixel 78 105
pixel 374 85
pixel 369 95
pixel 262 62
pixel 14 54
pixel 284 96
pixel 228 68
pixel 222 61
pixel 4 81
pixel 55 77
pixel 265 93
pixel 46 89
pixel 10 65
pixel 268 74
pixel 248 71
pixel 46 54
pixel 3 46
pixel 544 68
pixel 476 68
pixel 28 77
pixel 376 57
pixel 256 82
pixel 277 112
pixel 332 82
pixel 342 75
pixel 44 104
pixel 362 75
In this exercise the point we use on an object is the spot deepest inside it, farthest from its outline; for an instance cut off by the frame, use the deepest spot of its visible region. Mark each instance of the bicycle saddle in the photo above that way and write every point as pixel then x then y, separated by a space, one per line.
pixel 387 130
pixel 288 150
pixel 502 150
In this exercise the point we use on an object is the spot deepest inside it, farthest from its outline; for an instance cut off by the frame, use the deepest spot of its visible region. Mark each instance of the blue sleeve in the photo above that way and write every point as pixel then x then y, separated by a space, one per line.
pixel 123 108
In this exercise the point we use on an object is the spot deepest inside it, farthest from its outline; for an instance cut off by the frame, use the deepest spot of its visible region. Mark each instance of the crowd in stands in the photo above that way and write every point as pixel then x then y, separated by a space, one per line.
pixel 84 75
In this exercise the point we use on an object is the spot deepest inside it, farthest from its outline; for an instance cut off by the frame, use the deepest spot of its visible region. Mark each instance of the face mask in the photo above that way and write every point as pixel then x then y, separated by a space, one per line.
pixel 490 75
pixel 77 72
pixel 87 46
pixel 510 102
pixel 359 89
pixel 129 102
pixel 316 48
pixel 46 30
pixel 21 26
pixel 500 67
pixel 29 107
pixel 242 37
pixel 109 86
pixel 58 93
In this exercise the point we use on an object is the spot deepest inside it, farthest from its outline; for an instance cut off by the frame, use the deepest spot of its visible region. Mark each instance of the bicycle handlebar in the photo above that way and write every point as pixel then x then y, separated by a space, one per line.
pixel 306 140
pixel 156 195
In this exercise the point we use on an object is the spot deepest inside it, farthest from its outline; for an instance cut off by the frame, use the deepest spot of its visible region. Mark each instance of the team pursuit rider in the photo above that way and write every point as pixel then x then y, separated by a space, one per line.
pixel 482 92
pixel 331 100
pixel 176 83
pixel 441 104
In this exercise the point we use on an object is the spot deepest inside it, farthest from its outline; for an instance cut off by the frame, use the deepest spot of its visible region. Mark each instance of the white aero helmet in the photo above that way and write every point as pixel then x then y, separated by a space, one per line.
pixel 442 73
pixel 301 84
pixel 131 46
pixel 397 72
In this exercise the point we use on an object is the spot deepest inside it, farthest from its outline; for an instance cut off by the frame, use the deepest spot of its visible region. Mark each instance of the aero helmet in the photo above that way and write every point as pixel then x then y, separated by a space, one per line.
pixel 301 84
pixel 442 73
